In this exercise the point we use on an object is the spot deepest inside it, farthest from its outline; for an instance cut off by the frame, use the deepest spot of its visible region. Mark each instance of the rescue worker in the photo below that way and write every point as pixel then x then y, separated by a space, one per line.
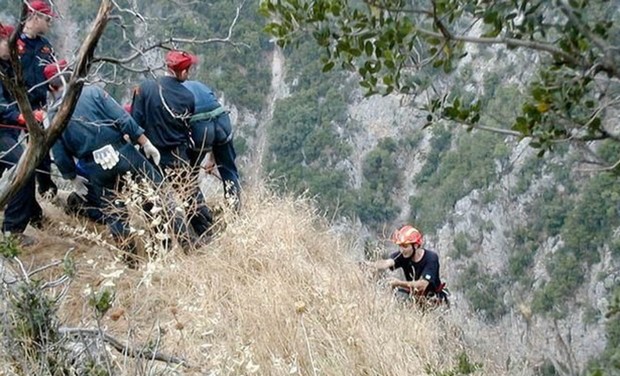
pixel 420 267
pixel 95 137
pixel 211 130
pixel 163 107
pixel 35 52
pixel 23 207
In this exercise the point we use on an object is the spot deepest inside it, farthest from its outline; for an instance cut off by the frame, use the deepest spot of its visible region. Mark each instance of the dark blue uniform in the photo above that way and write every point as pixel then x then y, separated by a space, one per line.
pixel 98 120
pixel 213 133
pixel 23 207
pixel 166 124
pixel 35 54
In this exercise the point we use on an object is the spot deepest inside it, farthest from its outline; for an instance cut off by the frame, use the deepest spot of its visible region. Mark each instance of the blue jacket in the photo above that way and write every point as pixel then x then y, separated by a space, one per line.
pixel 9 111
pixel 165 124
pixel 203 95
pixel 206 133
pixel 97 120
pixel 35 54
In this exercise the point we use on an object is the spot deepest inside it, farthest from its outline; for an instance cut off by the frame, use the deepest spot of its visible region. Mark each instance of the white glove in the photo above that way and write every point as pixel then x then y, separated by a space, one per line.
pixel 106 157
pixel 151 152
pixel 79 186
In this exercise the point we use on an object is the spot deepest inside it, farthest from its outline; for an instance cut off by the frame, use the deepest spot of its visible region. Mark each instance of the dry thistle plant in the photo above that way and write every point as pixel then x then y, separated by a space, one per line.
pixel 158 215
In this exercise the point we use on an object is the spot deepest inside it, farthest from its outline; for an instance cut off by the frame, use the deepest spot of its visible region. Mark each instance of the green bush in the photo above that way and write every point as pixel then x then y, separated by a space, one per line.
pixel 448 176
pixel 381 177
pixel 464 366
pixel 484 292
pixel 461 246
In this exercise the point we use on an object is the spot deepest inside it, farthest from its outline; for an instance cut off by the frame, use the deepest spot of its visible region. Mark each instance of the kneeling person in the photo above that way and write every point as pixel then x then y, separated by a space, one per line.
pixel 95 137
pixel 420 267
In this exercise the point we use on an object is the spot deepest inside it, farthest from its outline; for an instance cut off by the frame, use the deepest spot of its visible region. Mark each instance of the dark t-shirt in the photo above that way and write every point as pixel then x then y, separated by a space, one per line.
pixel 427 268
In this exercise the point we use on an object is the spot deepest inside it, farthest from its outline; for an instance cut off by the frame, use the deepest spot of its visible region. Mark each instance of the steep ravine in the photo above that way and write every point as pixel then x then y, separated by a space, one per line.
pixel 520 339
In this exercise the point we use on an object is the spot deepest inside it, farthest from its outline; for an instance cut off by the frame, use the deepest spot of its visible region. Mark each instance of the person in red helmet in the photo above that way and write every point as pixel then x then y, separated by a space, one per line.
pixel 420 267
pixel 22 208
pixel 164 108
pixel 35 52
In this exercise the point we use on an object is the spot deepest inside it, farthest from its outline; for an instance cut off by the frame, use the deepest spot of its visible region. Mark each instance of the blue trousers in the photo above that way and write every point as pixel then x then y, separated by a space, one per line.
pixel 22 208
pixel 103 184
pixel 215 135
pixel 178 158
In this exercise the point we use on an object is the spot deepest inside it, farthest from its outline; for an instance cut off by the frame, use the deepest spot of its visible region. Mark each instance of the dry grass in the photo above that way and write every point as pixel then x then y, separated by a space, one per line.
pixel 274 293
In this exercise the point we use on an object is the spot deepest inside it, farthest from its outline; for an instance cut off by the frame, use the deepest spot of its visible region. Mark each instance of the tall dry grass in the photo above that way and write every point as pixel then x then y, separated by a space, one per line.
pixel 274 293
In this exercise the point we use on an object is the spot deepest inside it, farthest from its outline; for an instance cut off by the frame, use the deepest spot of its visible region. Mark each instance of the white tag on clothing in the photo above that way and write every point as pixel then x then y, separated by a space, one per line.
pixel 106 157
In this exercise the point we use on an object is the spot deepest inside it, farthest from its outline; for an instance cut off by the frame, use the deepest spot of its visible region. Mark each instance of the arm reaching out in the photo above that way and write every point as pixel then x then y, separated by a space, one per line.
pixel 381 264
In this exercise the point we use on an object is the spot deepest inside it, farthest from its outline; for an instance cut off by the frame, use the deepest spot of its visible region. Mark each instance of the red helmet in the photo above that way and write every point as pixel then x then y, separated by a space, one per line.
pixel 6 31
pixel 38 6
pixel 180 60
pixel 407 235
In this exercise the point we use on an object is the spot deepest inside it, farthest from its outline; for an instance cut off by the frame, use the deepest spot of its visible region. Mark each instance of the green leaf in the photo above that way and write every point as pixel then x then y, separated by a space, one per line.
pixel 520 126
pixel 368 48
pixel 539 93
pixel 327 67
pixel 490 17
pixel 355 52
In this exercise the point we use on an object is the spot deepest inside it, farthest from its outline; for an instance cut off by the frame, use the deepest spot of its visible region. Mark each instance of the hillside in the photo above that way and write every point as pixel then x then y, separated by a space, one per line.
pixel 275 293
pixel 529 245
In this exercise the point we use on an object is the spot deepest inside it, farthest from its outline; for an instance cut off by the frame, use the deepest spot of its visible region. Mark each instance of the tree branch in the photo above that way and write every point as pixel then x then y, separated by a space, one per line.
pixel 375 4
pixel 124 348
pixel 534 45
pixel 162 43
pixel 505 132
pixel 583 29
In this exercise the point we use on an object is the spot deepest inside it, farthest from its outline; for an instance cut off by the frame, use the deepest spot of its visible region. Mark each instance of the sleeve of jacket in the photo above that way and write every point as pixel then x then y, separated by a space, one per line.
pixel 138 106
pixel 63 160
pixel 126 124
pixel 8 112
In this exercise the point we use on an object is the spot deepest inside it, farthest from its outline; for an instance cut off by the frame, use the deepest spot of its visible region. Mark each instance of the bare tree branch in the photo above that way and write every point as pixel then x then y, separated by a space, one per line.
pixel 124 348
pixel 165 43
pixel 505 132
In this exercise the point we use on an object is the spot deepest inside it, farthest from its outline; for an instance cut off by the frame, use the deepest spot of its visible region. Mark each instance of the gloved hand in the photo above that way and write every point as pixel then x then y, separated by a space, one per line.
pixel 151 152
pixel 38 116
pixel 79 186
pixel 107 157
